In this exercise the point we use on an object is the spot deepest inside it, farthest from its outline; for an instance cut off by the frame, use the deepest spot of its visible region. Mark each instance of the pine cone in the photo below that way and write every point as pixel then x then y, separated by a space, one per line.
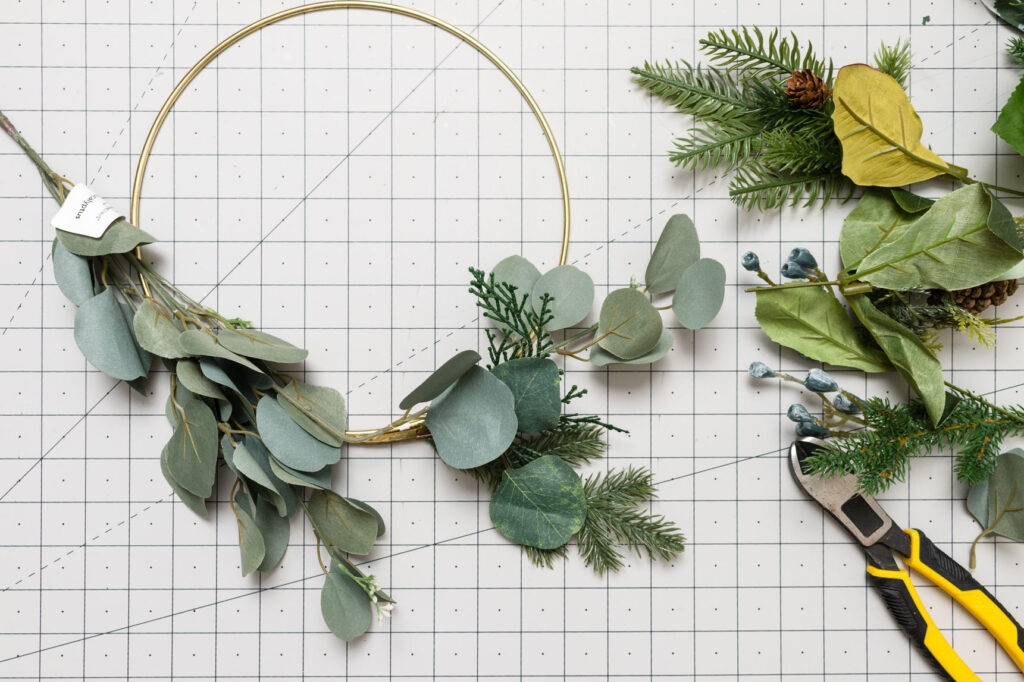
pixel 978 299
pixel 807 90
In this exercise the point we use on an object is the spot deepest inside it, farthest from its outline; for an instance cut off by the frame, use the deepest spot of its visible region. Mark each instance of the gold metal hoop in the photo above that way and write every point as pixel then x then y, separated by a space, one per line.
pixel 413 429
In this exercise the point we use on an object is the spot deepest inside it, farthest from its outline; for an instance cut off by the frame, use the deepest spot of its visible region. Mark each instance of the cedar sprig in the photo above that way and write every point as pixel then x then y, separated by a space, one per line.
pixel 524 331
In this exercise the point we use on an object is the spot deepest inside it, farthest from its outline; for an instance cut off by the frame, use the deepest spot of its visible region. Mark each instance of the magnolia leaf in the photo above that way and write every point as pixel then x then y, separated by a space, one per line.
pixel 316 479
pixel 950 247
pixel 877 218
pixel 274 530
pixel 534 383
pixel 381 527
pixel 812 322
pixel 599 357
pixel 880 131
pixel 73 275
pixel 517 271
pixel 443 377
pixel 1002 224
pixel 156 332
pixel 344 605
pixel 325 403
pixel 105 339
pixel 192 451
pixel 572 293
pixel 910 202
pixel 250 540
pixel 194 502
pixel 908 354
pixel 289 442
pixel 120 237
pixel 192 378
pixel 202 342
pixel 699 294
pixel 677 249
pixel 540 504
pixel 998 503
pixel 474 422
pixel 256 344
pixel 1010 124
pixel 341 524
pixel 628 326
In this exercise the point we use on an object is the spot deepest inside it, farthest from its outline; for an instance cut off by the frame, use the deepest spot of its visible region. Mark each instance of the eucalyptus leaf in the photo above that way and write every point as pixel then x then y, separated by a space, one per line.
pixel 192 377
pixel 120 237
pixel 908 354
pixel 73 275
pixel 812 322
pixel 236 377
pixel 572 292
pixel 344 605
pixel 280 490
pixel 629 326
pixel 876 218
pixel 910 202
pixel 194 502
pixel 535 384
pixel 381 527
pixel 950 247
pixel 1004 498
pixel 256 344
pixel 227 451
pixel 156 332
pixel 247 465
pixel 192 451
pixel 325 403
pixel 289 442
pixel 340 523
pixel 105 339
pixel 677 249
pixel 145 357
pixel 977 501
pixel 474 422
pixel 275 531
pixel 316 479
pixel 517 271
pixel 201 342
pixel 699 294
pixel 250 540
pixel 599 357
pixel 540 504
pixel 442 377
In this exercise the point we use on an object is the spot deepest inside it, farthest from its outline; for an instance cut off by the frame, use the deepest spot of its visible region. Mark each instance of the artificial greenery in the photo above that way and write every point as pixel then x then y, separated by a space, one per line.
pixel 1015 49
pixel 997 503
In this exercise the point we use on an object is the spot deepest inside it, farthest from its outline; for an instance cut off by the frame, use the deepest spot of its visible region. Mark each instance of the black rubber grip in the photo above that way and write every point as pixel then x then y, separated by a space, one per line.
pixel 901 605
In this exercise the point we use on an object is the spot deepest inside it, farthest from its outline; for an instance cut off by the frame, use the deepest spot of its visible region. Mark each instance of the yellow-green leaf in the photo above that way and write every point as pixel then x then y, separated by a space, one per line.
pixel 880 131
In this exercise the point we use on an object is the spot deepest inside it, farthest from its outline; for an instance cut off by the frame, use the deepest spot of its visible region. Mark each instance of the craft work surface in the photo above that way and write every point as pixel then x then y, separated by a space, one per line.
pixel 331 179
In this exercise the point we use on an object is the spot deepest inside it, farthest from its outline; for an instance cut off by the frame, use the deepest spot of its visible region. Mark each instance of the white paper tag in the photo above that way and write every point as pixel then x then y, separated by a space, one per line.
pixel 85 212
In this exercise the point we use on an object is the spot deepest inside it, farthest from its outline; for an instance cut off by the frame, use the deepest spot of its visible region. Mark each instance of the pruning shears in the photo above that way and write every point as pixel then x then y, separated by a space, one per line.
pixel 883 540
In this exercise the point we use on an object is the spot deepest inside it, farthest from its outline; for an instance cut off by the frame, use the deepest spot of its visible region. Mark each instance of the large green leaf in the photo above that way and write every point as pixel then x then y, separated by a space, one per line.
pixel 157 333
pixel 72 274
pixel 192 377
pixel 341 524
pixel 599 357
pixel 629 326
pixel 876 218
pixel 120 237
pixel 474 422
pixel 811 321
pixel 250 539
pixel 950 247
pixel 344 605
pixel 202 342
pixel 572 291
pixel 998 503
pixel 534 383
pixel 191 453
pixel 1010 124
pixel 540 504
pixel 260 345
pixel 105 339
pixel 699 294
pixel 325 403
pixel 677 249
pixel 517 271
pixel 289 442
pixel 442 377
pixel 908 354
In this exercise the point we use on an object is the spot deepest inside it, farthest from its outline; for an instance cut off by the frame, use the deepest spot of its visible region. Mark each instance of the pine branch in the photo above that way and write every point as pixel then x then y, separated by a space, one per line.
pixel 576 444
pixel 705 93
pixel 747 51
pixel 802 152
pixel 723 147
pixel 755 186
pixel 545 558
pixel 614 521
pixel 895 61
pixel 1015 48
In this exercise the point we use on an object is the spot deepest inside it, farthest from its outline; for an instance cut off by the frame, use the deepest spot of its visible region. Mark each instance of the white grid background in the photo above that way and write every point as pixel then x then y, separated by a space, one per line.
pixel 331 178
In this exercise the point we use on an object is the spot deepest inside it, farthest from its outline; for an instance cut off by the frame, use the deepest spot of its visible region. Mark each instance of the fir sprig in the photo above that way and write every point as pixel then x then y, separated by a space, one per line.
pixel 702 92
pixel 747 50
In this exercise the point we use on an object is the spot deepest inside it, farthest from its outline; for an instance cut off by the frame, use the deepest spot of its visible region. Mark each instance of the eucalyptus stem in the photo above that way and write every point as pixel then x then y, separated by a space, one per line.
pixel 50 178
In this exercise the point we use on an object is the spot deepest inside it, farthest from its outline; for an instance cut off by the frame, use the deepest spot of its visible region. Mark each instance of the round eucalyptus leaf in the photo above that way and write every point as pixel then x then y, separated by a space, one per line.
pixel 381 527
pixel 629 325
pixel 519 272
pixel 201 342
pixel 256 344
pixel 442 377
pixel 105 339
pixel 340 523
pixel 474 422
pixel 678 248
pixel 700 293
pixel 977 502
pixel 192 378
pixel 156 332
pixel 599 357
pixel 344 605
pixel 289 442
pixel 72 274
pixel 572 292
pixel 540 504
pixel 326 404
pixel 535 384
